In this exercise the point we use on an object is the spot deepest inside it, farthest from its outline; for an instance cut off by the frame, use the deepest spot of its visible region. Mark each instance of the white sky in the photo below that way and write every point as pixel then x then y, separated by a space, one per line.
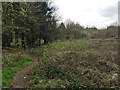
pixel 99 13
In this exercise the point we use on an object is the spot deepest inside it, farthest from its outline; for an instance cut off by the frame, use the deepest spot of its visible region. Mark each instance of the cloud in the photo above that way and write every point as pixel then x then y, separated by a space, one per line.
pixel 119 13
pixel 99 13
pixel 110 11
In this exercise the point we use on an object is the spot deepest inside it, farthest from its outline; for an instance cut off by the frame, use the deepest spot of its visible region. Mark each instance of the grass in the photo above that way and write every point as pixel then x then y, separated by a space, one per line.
pixel 48 70
pixel 76 64
pixel 0 79
pixel 11 64
pixel 71 64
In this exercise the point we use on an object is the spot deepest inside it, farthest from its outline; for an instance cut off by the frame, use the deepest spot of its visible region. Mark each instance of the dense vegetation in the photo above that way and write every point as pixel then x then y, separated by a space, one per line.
pixel 76 64
pixel 72 56
pixel 25 24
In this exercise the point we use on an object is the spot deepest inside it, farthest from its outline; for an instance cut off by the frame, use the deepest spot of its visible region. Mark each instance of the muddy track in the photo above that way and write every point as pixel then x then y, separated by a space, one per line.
pixel 20 79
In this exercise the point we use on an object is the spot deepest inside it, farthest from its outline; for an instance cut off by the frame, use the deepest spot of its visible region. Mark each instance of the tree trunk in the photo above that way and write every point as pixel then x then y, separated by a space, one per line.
pixel 45 41
pixel 39 42
pixel 16 37
pixel 23 42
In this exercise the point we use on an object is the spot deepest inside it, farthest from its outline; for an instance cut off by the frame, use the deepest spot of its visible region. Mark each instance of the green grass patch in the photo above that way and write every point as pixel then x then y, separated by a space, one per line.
pixel 13 63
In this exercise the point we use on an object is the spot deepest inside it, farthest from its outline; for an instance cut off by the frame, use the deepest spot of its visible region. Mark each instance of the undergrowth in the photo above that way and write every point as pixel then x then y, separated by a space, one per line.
pixel 76 64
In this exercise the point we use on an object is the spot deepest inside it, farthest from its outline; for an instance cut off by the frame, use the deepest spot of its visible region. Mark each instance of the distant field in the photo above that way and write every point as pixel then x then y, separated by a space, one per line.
pixel 77 64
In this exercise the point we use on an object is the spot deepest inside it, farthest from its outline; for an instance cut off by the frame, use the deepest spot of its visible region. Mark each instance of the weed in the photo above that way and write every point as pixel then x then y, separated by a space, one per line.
pixel 74 64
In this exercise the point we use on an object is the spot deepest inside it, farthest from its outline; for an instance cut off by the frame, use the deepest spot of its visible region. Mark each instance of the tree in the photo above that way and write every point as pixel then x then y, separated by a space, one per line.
pixel 28 23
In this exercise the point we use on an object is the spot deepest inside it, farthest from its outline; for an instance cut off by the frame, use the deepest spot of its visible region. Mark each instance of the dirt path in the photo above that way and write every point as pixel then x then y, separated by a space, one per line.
pixel 20 79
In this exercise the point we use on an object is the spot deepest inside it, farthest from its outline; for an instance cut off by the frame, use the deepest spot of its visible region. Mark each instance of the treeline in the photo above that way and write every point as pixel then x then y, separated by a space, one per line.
pixel 26 24
pixel 76 31
pixel 110 32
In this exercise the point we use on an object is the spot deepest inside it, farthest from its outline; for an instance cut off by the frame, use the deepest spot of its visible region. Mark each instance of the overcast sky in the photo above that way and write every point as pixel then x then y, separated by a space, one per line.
pixel 99 13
